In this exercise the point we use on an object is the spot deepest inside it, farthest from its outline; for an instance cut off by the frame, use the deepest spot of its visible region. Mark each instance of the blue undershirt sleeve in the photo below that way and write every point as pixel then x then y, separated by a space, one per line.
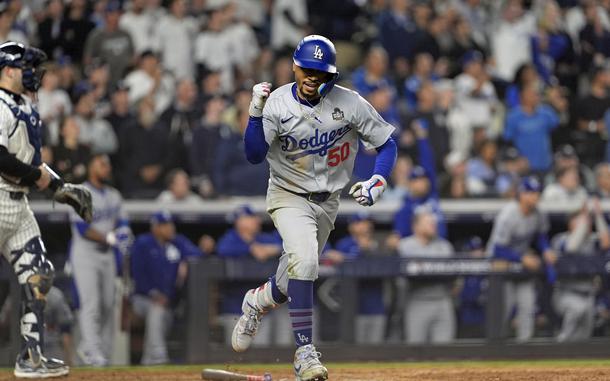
pixel 254 140
pixel 386 158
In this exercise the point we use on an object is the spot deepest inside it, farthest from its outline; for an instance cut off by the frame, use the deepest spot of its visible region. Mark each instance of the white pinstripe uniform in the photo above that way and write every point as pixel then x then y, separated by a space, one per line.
pixel 17 222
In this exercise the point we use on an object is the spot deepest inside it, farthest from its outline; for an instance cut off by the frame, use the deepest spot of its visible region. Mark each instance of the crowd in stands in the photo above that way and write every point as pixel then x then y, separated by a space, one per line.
pixel 503 87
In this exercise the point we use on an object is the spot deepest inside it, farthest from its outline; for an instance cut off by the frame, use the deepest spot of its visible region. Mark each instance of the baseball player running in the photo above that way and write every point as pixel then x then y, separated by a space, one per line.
pixel 20 169
pixel 94 264
pixel 517 228
pixel 309 132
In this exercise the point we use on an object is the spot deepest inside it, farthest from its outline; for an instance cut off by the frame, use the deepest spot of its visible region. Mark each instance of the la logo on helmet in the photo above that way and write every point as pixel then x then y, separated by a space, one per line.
pixel 317 52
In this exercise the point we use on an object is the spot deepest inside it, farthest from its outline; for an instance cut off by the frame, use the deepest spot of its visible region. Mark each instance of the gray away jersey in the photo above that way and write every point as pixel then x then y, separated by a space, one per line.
pixel 514 230
pixel 313 149
pixel 107 211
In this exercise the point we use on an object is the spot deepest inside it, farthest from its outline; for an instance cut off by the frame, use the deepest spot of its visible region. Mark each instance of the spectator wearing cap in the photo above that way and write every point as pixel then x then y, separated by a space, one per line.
pixel 110 43
pixel 159 269
pixel 475 94
pixel 429 313
pixel 471 294
pixel 566 157
pixel 149 78
pixel 176 34
pixel 481 170
pixel 70 157
pixel 178 188
pixel 371 318
pixel 511 168
pixel 140 25
pixel 588 118
pixel 120 115
pixel 518 227
pixel 143 154
pixel 602 178
pixel 524 75
pixel 232 174
pixel 95 132
pixel 574 298
pixel 423 192
pixel 567 188
pixel 529 128
pixel 245 240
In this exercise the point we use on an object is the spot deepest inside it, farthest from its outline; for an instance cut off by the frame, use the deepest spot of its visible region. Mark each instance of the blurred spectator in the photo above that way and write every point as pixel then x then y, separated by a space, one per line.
pixel 69 156
pixel 159 270
pixel 529 127
pixel 399 182
pixel 511 168
pixel 245 240
pixel 241 42
pixel 140 25
pixel 509 38
pixel 50 30
pixel 149 78
pixel 453 182
pixel 206 137
pixel 574 298
pixel 594 37
pixel 289 20
pixel 519 226
pixel 481 170
pixel 76 29
pixel 397 34
pixel 423 192
pixel 565 157
pixel 371 319
pixel 8 32
pixel 429 313
pixel 233 175
pixel 98 77
pixel 143 150
pixel 120 115
pixel 475 94
pixel 472 294
pixel 602 178
pixel 178 188
pixel 526 74
pixel 177 124
pixel 566 189
pixel 373 75
pixel 95 132
pixel 59 321
pixel 423 66
pixel 53 104
pixel 462 42
pixel 111 44
pixel 588 118
pixel 176 32
pixel 550 43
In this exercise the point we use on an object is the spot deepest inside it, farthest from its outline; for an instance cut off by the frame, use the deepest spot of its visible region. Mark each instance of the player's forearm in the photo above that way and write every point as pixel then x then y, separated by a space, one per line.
pixel 386 158
pixel 504 252
pixel 94 235
pixel 577 237
pixel 254 140
pixel 11 166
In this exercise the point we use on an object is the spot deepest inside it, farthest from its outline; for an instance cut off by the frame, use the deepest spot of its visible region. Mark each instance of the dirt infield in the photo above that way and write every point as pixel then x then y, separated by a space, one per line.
pixel 514 371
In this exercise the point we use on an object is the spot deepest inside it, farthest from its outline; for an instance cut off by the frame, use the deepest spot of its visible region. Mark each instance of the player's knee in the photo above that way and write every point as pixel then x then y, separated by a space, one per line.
pixel 33 268
pixel 304 269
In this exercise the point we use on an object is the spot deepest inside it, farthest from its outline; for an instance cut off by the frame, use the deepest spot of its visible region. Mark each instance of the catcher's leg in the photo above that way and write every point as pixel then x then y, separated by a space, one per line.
pixel 35 275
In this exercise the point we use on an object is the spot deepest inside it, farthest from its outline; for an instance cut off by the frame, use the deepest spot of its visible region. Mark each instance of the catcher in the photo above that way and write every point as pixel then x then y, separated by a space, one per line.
pixel 20 169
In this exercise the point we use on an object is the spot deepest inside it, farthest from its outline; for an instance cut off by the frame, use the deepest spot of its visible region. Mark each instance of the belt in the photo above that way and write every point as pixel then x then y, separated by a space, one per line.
pixel 317 197
pixel 16 195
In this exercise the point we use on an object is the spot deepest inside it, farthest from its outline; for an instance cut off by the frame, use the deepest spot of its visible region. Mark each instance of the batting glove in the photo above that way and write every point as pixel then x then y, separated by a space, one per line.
pixel 260 93
pixel 366 193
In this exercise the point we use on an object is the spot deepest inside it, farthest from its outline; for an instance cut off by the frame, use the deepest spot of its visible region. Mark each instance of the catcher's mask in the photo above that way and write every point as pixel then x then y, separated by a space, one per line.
pixel 28 59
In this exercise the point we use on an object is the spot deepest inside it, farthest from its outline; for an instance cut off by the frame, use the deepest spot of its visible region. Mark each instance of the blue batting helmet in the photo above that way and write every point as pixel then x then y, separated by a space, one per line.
pixel 318 53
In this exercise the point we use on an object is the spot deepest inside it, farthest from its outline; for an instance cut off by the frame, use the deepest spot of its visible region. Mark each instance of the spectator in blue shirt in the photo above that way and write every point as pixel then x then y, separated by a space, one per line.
pixel 423 66
pixel 481 170
pixel 423 191
pixel 529 128
pixel 245 240
pixel 158 267
pixel 371 319
pixel 397 34
pixel 525 74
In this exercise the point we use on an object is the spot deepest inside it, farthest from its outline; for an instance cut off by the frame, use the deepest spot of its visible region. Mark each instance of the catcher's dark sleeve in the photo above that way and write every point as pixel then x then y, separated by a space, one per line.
pixel 14 167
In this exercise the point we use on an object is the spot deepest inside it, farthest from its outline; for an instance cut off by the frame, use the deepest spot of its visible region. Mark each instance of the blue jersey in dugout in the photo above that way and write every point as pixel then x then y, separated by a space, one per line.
pixel 370 292
pixel 155 266
pixel 231 245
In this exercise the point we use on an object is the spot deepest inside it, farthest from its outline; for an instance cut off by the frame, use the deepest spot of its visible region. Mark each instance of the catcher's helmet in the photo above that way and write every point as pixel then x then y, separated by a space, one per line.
pixel 16 55
pixel 318 53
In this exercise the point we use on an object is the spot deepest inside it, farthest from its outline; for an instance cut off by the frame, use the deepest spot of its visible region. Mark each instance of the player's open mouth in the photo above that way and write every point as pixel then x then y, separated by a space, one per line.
pixel 311 86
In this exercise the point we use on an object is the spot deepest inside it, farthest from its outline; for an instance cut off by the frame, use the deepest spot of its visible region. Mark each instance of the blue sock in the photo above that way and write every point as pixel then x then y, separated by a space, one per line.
pixel 300 304
pixel 276 294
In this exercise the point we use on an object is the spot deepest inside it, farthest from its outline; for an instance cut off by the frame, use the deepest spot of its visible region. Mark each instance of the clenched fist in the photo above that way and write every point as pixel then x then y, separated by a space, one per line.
pixel 366 193
pixel 260 93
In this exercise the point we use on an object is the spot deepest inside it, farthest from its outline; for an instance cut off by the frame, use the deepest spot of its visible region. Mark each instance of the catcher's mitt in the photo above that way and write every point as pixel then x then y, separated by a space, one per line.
pixel 78 197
